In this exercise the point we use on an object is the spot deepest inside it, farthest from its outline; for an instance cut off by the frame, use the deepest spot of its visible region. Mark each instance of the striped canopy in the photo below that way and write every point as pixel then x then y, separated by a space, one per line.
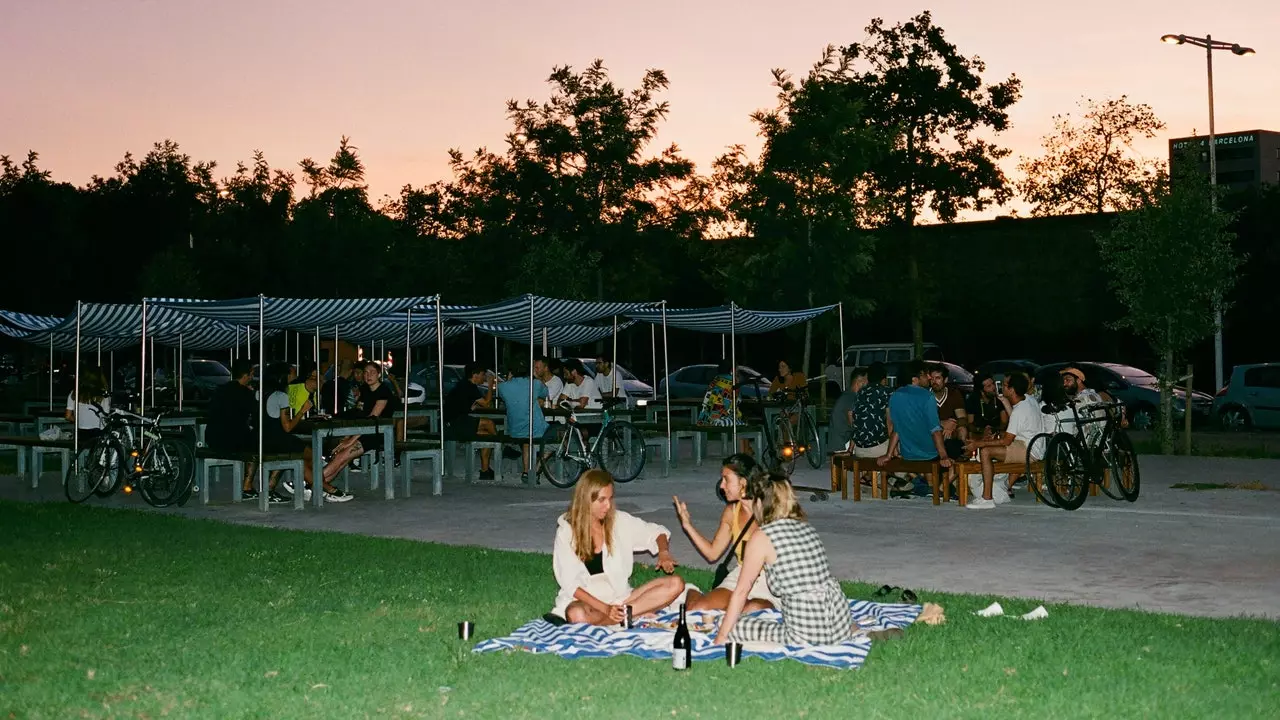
pixel 391 330
pixel 296 314
pixel 559 336
pixel 27 323
pixel 730 318
pixel 63 342
pixel 539 312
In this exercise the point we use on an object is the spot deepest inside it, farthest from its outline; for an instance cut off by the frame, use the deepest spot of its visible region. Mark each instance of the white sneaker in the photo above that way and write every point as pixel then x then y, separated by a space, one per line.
pixel 306 494
pixel 980 503
pixel 992 610
pixel 337 497
pixel 1038 614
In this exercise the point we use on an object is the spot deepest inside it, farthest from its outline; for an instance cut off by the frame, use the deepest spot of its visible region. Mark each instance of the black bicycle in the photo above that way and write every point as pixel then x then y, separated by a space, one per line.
pixel 132 453
pixel 1073 461
pixel 794 434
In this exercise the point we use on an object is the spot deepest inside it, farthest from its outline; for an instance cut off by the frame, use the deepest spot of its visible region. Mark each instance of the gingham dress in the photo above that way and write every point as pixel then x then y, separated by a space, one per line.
pixel 814 608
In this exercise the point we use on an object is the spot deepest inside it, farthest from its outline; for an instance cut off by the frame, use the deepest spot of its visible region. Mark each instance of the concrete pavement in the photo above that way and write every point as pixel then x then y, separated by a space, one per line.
pixel 1211 553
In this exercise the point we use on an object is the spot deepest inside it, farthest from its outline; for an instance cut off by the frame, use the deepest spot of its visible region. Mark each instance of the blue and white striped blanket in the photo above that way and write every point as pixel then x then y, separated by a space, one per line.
pixel 651 639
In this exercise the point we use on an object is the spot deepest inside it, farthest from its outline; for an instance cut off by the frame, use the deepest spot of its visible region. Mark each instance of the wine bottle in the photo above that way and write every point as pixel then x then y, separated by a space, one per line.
pixel 682 645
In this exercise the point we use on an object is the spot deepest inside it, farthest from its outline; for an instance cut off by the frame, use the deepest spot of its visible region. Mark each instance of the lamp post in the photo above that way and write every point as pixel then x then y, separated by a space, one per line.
pixel 1209 44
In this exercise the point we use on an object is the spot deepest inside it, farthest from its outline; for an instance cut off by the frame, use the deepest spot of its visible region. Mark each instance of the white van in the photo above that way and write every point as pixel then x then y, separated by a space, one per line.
pixel 893 354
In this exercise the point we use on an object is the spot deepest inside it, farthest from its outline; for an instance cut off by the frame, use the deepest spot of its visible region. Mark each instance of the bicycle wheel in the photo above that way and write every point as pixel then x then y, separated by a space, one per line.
pixel 93 467
pixel 811 441
pixel 1123 462
pixel 1042 489
pixel 786 448
pixel 621 451
pixel 169 472
pixel 1065 471
pixel 563 470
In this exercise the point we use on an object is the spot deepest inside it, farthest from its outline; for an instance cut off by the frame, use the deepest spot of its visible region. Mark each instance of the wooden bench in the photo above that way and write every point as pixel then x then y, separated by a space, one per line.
pixel 1035 476
pixel 36 448
pixel 208 460
pixel 843 463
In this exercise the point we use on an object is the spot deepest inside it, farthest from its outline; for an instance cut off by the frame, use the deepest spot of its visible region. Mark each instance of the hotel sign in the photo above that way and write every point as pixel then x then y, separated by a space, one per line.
pixel 1237 139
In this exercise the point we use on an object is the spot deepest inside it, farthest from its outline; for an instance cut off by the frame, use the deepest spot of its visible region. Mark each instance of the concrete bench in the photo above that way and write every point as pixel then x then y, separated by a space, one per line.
pixel 408 452
pixel 31 451
pixel 209 460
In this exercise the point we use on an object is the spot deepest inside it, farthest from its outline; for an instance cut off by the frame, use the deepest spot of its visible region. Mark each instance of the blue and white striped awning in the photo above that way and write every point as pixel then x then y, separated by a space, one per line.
pixel 391 330
pixel 121 326
pixel 730 318
pixel 62 342
pixel 559 336
pixel 28 323
pixel 296 314
pixel 539 312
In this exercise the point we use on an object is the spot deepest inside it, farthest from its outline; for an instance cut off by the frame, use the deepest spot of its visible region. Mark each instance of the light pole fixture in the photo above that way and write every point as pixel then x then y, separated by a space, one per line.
pixel 1209 44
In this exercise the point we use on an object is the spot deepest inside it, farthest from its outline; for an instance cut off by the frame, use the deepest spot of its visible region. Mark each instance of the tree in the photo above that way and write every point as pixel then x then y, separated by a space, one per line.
pixel 1090 165
pixel 918 87
pixel 1171 263
pixel 575 203
pixel 801 201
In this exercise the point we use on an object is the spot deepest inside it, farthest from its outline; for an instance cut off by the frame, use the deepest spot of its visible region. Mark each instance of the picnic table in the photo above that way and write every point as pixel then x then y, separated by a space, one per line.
pixel 346 427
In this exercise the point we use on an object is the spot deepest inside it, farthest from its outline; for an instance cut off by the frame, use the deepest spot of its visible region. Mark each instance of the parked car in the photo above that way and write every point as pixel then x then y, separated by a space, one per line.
pixel 638 391
pixel 997 369
pixel 692 381
pixel 425 376
pixel 1251 398
pixel 200 378
pixel 1137 389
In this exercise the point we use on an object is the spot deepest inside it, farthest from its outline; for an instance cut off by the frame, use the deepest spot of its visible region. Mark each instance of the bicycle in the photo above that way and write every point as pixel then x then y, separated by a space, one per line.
pixel 131 452
pixel 785 443
pixel 1075 460
pixel 618 447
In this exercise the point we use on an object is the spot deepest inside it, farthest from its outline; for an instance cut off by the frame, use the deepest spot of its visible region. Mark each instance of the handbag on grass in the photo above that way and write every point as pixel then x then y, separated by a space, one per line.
pixel 722 570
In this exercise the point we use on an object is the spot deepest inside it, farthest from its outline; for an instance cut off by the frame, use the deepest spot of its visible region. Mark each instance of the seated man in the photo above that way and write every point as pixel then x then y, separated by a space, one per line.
pixel 544 369
pixel 1025 422
pixel 232 415
pixel 986 414
pixel 840 427
pixel 581 392
pixel 917 434
pixel 871 423
pixel 515 394
pixel 459 423
pixel 951 412
pixel 609 379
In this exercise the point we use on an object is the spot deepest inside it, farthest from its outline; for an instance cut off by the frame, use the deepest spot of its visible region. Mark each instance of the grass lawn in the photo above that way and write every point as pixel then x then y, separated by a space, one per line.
pixel 107 613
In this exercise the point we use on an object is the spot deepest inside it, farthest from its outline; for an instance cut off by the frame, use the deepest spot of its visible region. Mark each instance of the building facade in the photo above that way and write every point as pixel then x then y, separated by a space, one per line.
pixel 1245 159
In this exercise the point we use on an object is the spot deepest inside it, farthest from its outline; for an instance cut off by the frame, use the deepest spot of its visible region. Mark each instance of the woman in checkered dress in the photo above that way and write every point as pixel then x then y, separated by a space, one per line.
pixel 789 551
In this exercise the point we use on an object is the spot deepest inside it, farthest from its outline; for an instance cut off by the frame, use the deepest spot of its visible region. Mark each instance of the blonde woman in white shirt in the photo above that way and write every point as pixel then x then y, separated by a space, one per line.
pixel 592 558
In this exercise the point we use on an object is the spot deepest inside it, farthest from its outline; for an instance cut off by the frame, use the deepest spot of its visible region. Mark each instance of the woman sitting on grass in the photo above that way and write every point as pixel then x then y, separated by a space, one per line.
pixel 734 521
pixel 789 551
pixel 592 558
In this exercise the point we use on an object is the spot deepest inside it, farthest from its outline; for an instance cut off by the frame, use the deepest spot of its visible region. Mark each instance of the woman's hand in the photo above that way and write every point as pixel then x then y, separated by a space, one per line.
pixel 617 613
pixel 666 563
pixel 720 639
pixel 682 512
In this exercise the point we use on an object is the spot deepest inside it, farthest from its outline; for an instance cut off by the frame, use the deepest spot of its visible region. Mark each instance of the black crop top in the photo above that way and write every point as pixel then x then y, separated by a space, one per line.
pixel 595 565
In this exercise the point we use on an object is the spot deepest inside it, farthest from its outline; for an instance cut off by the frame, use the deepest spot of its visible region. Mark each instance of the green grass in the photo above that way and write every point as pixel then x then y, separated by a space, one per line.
pixel 109 613
pixel 1257 451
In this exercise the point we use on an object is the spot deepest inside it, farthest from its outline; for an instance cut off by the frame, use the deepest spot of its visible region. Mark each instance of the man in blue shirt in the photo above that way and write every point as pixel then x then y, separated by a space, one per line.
pixel 917 434
pixel 514 394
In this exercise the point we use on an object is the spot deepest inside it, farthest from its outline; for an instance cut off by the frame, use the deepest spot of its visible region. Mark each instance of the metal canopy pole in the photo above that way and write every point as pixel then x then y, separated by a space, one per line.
pixel 475 356
pixel 733 372
pixel 408 324
pixel 333 363
pixel 179 371
pixel 666 373
pixel 142 369
pixel 51 366
pixel 440 382
pixel 615 377
pixel 531 322
pixel 75 391
pixel 844 373
pixel 262 405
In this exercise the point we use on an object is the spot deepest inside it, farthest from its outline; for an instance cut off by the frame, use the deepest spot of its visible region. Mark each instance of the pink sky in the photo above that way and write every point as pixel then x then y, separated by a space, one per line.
pixel 83 82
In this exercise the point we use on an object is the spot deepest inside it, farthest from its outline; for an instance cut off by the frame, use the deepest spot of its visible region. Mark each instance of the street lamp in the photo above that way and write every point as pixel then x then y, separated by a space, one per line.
pixel 1209 44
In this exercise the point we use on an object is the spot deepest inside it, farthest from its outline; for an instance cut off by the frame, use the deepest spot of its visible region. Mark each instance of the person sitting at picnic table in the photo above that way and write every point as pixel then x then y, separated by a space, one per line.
pixel 547 370
pixel 582 391
pixel 840 427
pixel 593 556
pixel 788 382
pixel 302 386
pixel 790 553
pixel 464 398
pixel 233 410
pixel 987 415
pixel 917 433
pixel 93 405
pixel 377 400
pixel 1013 445
pixel 718 406
pixel 737 525
pixel 515 394
pixel 278 436
pixel 609 379
pixel 341 386
pixel 872 424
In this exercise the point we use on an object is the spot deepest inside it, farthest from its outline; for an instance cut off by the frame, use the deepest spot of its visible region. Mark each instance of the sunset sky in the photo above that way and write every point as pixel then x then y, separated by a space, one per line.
pixel 83 82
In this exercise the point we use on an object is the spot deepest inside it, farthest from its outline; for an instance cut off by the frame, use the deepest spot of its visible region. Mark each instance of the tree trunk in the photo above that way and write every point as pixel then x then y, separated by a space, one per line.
pixel 1167 380
pixel 808 326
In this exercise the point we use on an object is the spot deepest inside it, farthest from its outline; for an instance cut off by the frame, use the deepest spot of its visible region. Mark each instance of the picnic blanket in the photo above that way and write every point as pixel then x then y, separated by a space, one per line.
pixel 651 638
